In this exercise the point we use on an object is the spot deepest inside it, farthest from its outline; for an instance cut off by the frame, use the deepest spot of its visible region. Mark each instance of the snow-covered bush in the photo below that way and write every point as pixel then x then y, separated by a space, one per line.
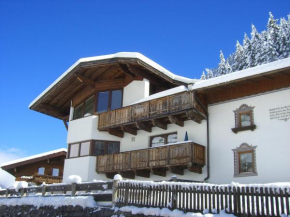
pixel 18 185
pixel 73 179
pixel 268 46
pixel 118 177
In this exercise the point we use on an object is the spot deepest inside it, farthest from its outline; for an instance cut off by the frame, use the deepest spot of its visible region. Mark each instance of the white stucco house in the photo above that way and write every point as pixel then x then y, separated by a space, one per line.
pixel 126 114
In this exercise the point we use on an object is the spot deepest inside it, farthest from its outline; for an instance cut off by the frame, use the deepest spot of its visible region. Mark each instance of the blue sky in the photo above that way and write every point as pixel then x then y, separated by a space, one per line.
pixel 39 40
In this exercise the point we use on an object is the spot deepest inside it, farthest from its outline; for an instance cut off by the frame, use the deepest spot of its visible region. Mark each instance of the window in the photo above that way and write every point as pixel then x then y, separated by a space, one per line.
pixel 163 139
pixel 103 101
pixel 100 102
pixel 105 147
pixel 85 148
pixel 74 150
pixel 244 119
pixel 93 148
pixel 55 172
pixel 109 100
pixel 245 160
pixel 85 109
pixel 41 171
pixel 116 101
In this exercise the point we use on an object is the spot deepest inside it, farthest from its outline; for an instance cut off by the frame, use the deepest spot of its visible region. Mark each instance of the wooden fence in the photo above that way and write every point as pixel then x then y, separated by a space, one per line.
pixel 95 189
pixel 190 197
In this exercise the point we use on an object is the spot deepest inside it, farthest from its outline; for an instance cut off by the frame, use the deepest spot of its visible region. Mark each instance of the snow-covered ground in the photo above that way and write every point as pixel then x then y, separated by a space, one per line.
pixel 84 201
pixel 168 213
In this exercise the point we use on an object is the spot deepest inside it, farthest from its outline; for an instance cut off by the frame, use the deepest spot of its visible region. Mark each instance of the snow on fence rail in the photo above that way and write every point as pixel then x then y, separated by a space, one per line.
pixel 240 200
pixel 100 190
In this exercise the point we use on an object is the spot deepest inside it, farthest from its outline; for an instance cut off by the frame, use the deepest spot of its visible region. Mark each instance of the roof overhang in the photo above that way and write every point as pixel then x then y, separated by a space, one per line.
pixel 257 72
pixel 34 159
pixel 122 67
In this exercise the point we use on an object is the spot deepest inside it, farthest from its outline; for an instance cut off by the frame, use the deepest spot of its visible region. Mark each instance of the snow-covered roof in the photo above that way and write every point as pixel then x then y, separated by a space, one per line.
pixel 133 55
pixel 34 157
pixel 169 92
pixel 238 75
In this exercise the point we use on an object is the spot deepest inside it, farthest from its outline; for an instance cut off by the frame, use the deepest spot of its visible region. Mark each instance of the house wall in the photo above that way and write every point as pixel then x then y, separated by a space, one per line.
pixel 32 168
pixel 135 91
pixel 271 137
pixel 86 129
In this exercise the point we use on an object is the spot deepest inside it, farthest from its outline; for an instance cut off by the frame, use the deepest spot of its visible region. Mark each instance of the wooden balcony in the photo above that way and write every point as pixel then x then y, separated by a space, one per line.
pixel 154 113
pixel 158 160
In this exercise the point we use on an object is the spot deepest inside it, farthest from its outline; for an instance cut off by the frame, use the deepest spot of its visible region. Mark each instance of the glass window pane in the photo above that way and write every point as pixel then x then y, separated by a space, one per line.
pixel 246 162
pixel 157 141
pixel 245 120
pixel 41 171
pixel 89 106
pixel 85 148
pixel 78 113
pixel 113 147
pixel 99 148
pixel 103 101
pixel 74 150
pixel 116 99
pixel 172 138
pixel 55 172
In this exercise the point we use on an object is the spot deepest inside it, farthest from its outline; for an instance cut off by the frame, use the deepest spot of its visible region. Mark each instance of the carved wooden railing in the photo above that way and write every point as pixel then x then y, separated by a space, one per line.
pixel 149 110
pixel 185 154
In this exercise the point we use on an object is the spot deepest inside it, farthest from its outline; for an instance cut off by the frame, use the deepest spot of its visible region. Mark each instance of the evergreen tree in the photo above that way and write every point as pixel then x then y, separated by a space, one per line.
pixel 222 68
pixel 203 76
pixel 238 62
pixel 255 44
pixel 209 73
pixel 248 52
pixel 273 35
pixel 264 47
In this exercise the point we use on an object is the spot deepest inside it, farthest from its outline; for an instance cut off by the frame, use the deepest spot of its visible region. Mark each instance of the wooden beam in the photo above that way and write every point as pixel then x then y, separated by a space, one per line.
pixel 116 133
pixel 192 115
pixel 176 170
pixel 159 171
pixel 142 126
pixel 110 175
pixel 159 123
pixel 176 120
pixel 143 74
pixel 128 174
pixel 109 84
pixel 143 173
pixel 86 81
pixel 103 72
pixel 56 111
pixel 195 169
pixel 65 124
pixel 125 69
pixel 130 130
pixel 267 77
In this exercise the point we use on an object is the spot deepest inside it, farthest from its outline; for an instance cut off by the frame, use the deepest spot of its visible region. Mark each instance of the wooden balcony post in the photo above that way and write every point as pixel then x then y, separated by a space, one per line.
pixel 22 191
pixel 43 191
pixel 115 192
pixel 73 189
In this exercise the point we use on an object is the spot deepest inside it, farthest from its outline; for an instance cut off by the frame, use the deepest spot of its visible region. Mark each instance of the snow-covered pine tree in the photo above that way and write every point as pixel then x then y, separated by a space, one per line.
pixel 248 54
pixel 203 76
pixel 209 73
pixel 284 38
pixel 272 37
pixel 256 44
pixel 264 47
pixel 222 68
pixel 238 62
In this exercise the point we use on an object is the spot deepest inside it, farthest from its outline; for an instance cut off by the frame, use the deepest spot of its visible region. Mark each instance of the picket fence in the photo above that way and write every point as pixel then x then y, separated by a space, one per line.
pixel 238 200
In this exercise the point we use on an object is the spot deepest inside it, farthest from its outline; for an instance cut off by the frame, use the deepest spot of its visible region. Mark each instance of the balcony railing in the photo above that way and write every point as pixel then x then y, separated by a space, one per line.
pixel 182 106
pixel 158 160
